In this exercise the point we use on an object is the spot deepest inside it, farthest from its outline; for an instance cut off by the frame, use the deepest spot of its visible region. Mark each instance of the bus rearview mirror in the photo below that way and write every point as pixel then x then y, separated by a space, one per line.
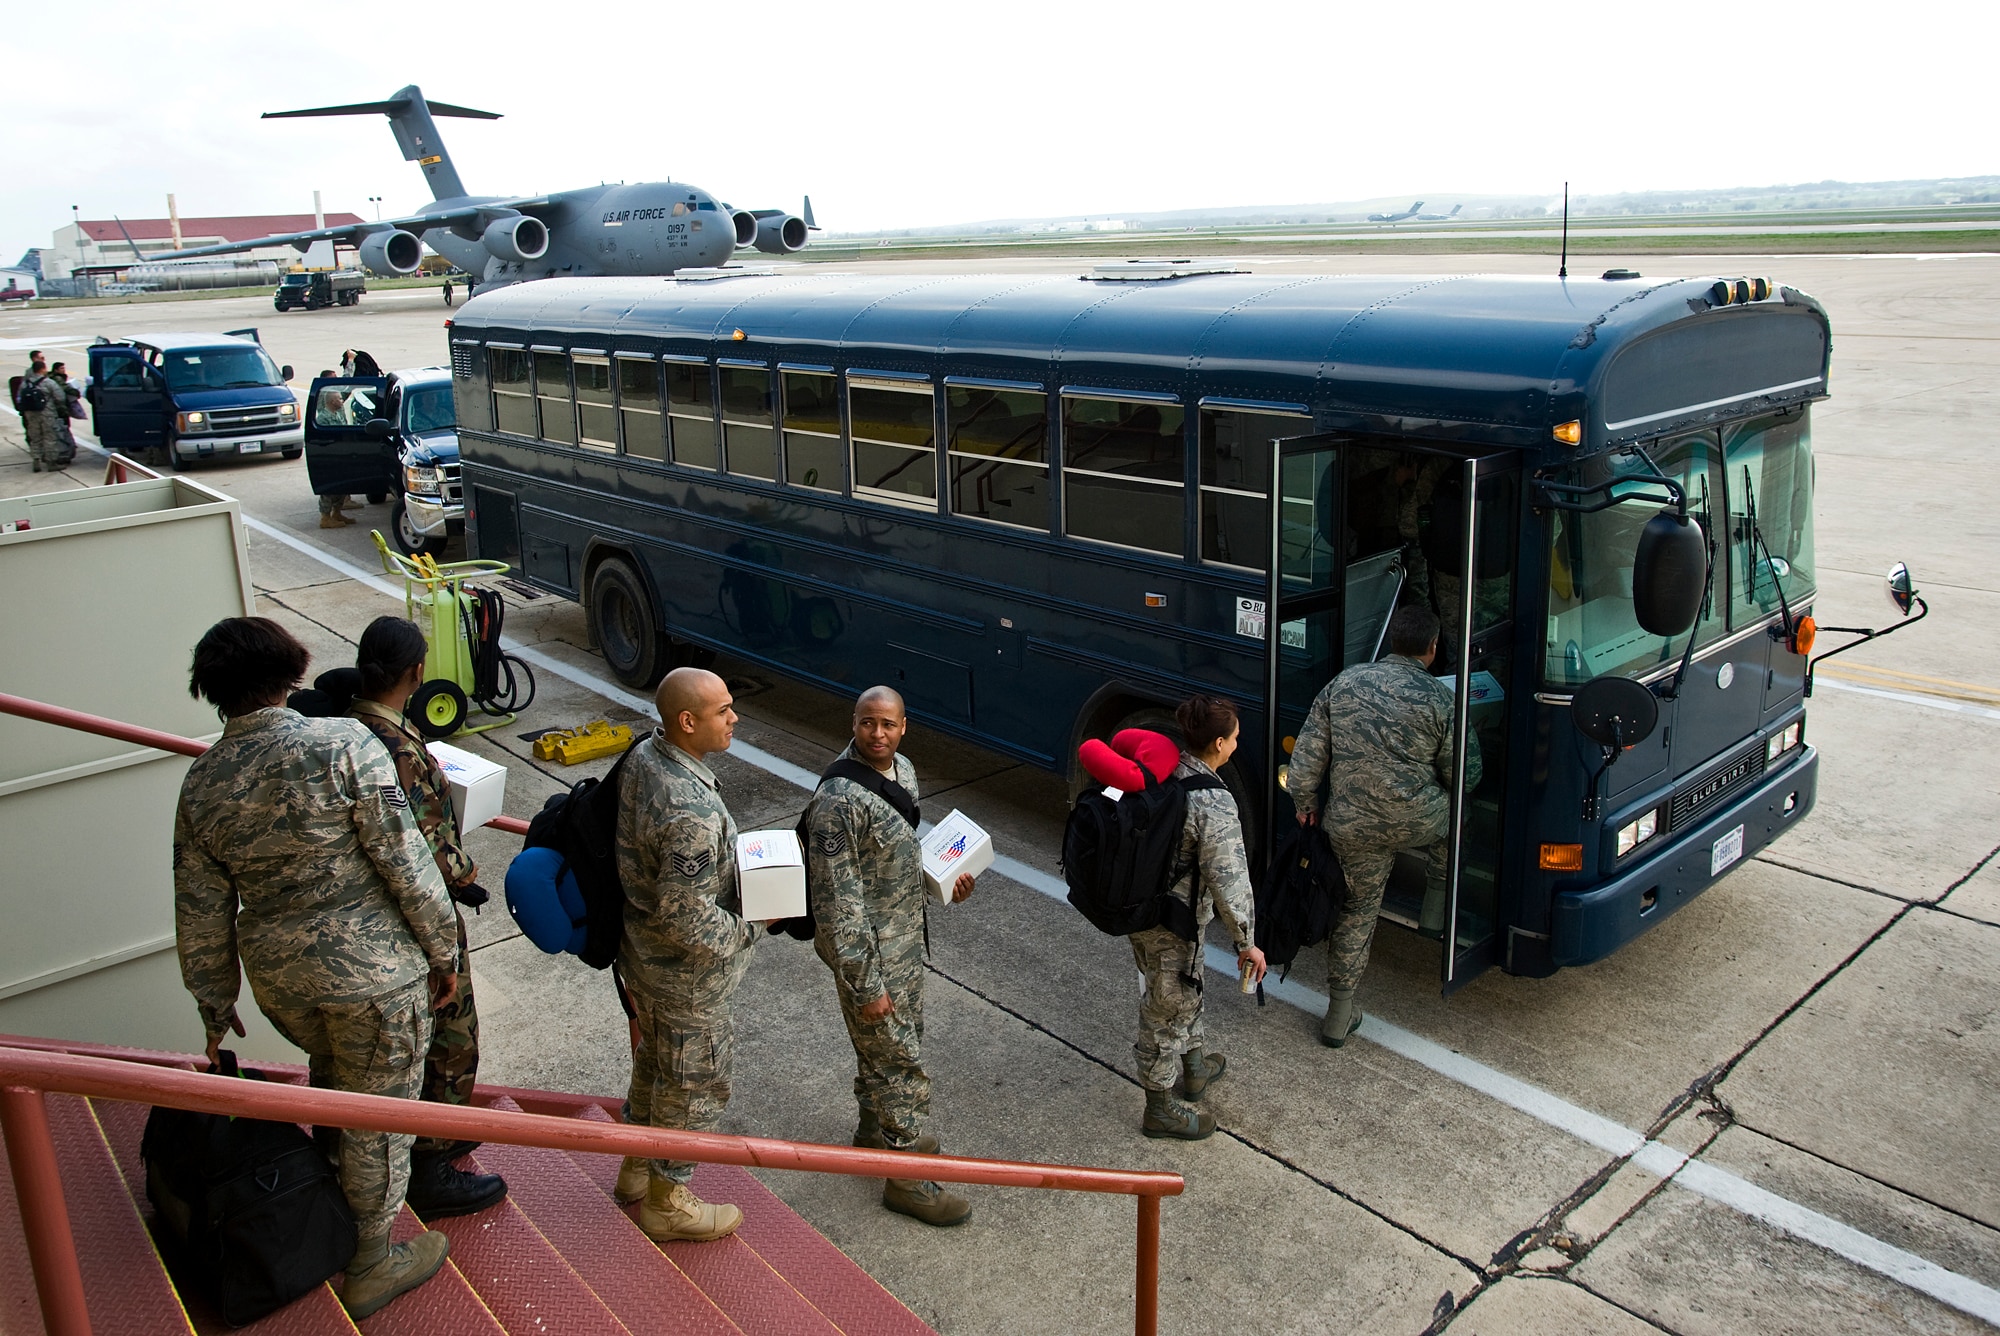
pixel 1669 574
pixel 1902 589
pixel 1615 713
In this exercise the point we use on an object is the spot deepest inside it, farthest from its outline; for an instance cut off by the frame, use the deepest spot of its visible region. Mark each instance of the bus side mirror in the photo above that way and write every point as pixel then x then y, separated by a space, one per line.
pixel 1902 589
pixel 1615 713
pixel 379 428
pixel 1669 574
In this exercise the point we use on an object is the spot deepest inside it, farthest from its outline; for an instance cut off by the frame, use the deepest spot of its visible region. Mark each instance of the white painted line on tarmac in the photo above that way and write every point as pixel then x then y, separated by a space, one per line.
pixel 1613 1138
pixel 1910 698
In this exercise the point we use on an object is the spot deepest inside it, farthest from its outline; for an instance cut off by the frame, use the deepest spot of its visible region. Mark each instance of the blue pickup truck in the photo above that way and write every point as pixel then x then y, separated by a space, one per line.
pixel 195 396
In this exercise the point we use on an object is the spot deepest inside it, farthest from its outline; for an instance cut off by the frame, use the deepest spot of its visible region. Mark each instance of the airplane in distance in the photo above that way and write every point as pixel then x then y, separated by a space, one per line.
pixel 1404 216
pixel 1439 217
pixel 655 227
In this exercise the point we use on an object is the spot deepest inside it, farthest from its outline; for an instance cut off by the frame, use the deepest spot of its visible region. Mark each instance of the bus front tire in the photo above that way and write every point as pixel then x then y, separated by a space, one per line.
pixel 626 630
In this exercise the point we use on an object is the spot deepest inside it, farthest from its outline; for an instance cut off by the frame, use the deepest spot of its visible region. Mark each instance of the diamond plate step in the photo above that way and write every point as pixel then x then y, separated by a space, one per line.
pixel 742 1284
pixel 125 1284
pixel 317 1313
pixel 444 1305
pixel 647 1292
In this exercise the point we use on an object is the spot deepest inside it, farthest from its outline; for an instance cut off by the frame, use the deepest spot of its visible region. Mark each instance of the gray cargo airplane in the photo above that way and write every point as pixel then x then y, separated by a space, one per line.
pixel 625 230
pixel 1405 215
pixel 1439 217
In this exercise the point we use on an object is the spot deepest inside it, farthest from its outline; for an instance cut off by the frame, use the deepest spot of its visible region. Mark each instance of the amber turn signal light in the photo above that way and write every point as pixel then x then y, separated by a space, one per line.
pixel 1569 433
pixel 1804 631
pixel 1562 858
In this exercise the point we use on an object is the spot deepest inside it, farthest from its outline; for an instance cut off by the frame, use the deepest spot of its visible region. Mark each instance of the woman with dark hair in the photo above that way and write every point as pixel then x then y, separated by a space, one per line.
pixel 295 854
pixel 1213 876
pixel 390 660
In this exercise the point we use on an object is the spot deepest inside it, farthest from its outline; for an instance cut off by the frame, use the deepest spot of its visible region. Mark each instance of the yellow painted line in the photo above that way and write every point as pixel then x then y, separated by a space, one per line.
pixel 1917 682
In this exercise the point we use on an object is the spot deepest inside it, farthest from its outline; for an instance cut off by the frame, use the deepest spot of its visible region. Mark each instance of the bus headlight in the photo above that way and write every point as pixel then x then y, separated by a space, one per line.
pixel 188 422
pixel 1783 741
pixel 1635 833
pixel 420 480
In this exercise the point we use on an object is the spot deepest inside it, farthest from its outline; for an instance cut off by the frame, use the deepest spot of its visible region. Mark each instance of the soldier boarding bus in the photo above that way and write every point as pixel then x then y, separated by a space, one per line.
pixel 1044 508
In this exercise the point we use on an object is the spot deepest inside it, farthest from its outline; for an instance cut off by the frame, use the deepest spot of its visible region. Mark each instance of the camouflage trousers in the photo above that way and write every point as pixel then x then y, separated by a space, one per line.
pixel 686 1053
pixel 451 1067
pixel 889 1076
pixel 329 504
pixel 372 1048
pixel 1170 1008
pixel 1367 856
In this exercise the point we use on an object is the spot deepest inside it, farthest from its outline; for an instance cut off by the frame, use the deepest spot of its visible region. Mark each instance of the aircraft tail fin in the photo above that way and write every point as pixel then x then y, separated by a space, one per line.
pixel 807 214
pixel 1415 207
pixel 1454 210
pixel 410 118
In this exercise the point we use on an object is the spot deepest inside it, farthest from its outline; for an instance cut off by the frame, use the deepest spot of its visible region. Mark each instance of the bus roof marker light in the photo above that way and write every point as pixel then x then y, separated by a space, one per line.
pixel 737 336
pixel 1569 433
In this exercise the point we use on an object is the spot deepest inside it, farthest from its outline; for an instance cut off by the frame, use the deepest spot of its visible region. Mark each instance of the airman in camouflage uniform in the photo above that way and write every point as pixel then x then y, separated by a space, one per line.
pixel 686 945
pixel 865 874
pixel 1380 738
pixel 294 851
pixel 45 425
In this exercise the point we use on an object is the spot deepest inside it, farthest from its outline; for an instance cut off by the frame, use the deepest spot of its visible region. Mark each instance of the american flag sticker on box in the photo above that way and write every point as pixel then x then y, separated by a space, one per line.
pixel 955 848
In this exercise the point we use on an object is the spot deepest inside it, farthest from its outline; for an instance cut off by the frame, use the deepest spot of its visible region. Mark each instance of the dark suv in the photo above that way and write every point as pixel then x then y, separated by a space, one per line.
pixel 392 437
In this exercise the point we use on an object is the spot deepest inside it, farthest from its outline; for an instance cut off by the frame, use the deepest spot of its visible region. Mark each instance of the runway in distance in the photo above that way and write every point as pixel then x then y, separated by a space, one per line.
pixel 655 227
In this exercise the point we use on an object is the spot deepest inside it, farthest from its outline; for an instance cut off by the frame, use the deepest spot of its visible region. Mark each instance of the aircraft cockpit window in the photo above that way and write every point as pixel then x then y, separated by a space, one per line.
pixel 596 419
pixel 706 206
pixel 679 208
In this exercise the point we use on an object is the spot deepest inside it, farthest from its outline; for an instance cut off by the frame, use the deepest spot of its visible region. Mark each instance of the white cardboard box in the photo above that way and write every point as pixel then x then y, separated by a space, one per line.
pixel 954 848
pixel 771 873
pixel 478 786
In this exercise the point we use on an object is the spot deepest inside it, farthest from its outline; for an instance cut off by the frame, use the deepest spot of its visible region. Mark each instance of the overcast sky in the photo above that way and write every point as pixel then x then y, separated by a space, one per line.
pixel 896 115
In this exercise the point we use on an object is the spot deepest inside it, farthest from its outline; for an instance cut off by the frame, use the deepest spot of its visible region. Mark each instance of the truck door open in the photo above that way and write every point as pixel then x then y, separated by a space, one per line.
pixel 1363 526
pixel 128 400
pixel 341 457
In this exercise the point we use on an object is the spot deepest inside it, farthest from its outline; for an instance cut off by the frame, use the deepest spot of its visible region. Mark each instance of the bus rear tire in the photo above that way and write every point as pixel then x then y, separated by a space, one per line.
pixel 624 625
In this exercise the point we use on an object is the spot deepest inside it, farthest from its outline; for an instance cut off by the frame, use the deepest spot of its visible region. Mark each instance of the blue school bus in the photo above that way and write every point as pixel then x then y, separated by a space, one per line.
pixel 1045 507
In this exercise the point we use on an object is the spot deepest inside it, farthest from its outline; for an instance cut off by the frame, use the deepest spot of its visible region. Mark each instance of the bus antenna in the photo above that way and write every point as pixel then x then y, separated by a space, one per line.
pixel 1562 267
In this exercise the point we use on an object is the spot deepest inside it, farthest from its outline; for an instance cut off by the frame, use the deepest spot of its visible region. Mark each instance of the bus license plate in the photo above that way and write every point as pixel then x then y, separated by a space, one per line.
pixel 1725 851
pixel 248 447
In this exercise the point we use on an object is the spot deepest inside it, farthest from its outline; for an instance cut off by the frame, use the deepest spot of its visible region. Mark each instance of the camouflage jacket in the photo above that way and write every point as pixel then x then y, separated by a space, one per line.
pixel 294 848
pixel 677 859
pixel 424 785
pixel 1380 737
pixel 1211 857
pixel 864 871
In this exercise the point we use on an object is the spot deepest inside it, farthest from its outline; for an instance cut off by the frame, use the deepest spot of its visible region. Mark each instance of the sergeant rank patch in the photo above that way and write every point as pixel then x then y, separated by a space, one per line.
pixel 831 842
pixel 392 794
pixel 694 864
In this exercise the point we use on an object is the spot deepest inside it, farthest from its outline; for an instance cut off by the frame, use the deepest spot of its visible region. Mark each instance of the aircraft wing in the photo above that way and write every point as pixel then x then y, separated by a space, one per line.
pixel 353 233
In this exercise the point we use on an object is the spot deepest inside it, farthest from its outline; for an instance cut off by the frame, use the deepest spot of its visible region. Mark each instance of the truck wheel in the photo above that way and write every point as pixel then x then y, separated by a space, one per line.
pixel 377 498
pixel 437 708
pixel 177 461
pixel 624 625
pixel 408 541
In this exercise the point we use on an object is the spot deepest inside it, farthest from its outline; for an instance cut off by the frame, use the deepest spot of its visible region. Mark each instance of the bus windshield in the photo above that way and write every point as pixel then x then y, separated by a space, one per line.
pixel 1769 475
pixel 219 369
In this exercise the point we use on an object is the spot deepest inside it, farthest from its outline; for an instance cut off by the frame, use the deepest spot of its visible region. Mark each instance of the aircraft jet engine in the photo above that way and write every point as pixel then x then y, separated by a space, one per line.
pixel 393 251
pixel 516 239
pixel 781 234
pixel 746 227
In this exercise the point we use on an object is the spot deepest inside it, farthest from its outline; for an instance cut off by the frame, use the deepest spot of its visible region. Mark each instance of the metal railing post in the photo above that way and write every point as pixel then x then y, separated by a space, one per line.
pixel 31 1154
pixel 1146 1303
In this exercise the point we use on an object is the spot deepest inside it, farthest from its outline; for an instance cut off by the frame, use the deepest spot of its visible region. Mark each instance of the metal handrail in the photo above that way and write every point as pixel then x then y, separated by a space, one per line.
pixel 28 1075
pixel 118 468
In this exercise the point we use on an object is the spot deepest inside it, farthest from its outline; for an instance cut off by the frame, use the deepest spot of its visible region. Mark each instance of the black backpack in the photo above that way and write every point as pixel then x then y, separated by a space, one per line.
pixel 582 826
pixel 257 1212
pixel 1118 857
pixel 1302 893
pixel 868 777
pixel 33 397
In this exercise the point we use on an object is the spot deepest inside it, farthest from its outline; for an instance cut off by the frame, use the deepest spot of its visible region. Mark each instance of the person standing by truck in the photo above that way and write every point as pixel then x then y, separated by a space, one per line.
pixel 44 402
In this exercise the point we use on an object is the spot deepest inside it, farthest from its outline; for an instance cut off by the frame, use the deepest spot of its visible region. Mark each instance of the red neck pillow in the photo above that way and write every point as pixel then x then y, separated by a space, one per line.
pixel 1118 764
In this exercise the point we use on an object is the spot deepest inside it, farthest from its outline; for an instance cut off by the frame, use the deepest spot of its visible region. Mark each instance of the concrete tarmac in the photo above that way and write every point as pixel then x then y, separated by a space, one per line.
pixel 1773 1112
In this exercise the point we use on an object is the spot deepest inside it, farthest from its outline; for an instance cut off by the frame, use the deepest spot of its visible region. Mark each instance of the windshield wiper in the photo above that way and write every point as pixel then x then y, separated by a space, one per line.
pixel 1770 562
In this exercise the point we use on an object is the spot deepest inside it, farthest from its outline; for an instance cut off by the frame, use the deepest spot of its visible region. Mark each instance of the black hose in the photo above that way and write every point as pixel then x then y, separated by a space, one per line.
pixel 484 613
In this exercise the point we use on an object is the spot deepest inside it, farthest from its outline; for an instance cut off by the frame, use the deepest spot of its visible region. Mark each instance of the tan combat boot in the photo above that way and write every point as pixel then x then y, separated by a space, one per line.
pixel 333 519
pixel 1168 1117
pixel 868 1136
pixel 931 1203
pixel 633 1177
pixel 673 1213
pixel 379 1273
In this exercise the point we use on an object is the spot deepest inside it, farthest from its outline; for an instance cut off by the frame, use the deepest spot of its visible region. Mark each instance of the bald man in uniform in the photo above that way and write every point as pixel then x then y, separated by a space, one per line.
pixel 686 944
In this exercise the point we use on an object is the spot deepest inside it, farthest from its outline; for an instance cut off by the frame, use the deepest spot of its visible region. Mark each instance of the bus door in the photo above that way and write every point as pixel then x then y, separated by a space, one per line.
pixel 1364 526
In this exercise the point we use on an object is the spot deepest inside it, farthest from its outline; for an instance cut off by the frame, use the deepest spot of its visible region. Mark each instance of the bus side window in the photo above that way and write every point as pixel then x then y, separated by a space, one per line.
pixel 997 454
pixel 892 425
pixel 639 415
pixel 812 430
pixel 1236 483
pixel 513 402
pixel 1122 472
pixel 596 419
pixel 748 440
pixel 552 399
pixel 691 416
